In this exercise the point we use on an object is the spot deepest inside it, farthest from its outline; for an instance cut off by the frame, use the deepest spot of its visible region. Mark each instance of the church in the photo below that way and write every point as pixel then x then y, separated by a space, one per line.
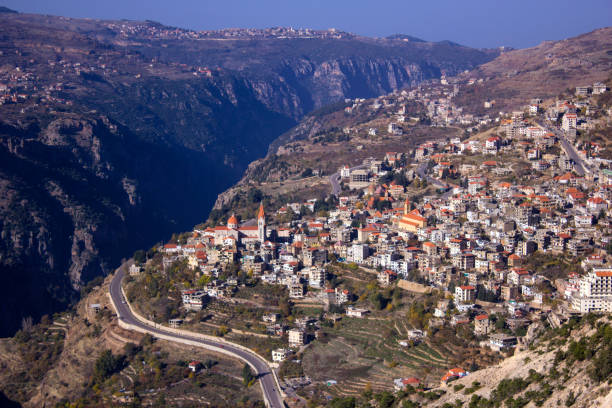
pixel 411 221
pixel 244 234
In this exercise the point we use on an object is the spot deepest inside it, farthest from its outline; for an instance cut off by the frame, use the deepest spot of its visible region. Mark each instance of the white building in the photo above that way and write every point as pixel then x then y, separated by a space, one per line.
pixel 595 294
pixel 316 277
pixel 359 252
pixel 395 129
pixel 569 121
pixel 465 294
pixel 296 338
pixel 279 354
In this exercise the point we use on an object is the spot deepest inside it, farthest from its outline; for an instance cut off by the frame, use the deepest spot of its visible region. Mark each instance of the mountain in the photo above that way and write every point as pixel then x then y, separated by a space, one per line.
pixel 114 134
pixel 540 72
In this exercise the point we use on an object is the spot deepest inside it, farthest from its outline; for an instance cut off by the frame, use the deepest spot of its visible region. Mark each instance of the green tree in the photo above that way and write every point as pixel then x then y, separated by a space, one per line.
pixel 106 365
pixel 248 378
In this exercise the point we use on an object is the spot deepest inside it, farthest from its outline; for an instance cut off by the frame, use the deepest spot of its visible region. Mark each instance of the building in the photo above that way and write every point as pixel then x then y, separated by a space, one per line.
pixel 134 269
pixel 599 88
pixel 500 341
pixel 395 129
pixel 360 178
pixel 569 121
pixel 342 296
pixel 482 325
pixel 509 292
pixel 595 294
pixel 194 299
pixel 261 224
pixel 316 277
pixel 401 383
pixel 296 338
pixel 195 366
pixel 355 312
pixel 359 252
pixel 465 294
pixel 174 323
pixel 280 354
pixel 453 374
pixel 386 277
pixel 582 90
pixel 411 221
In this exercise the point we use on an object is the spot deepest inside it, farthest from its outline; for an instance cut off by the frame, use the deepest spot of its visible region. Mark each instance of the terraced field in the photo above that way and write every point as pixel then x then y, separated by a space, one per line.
pixel 358 352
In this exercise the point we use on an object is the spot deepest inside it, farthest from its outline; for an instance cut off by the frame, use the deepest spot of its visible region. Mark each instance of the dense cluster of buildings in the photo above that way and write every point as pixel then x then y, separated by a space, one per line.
pixel 473 239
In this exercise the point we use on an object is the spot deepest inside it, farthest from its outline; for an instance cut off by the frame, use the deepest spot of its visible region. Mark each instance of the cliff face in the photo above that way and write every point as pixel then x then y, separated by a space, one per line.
pixel 301 86
pixel 80 191
pixel 114 141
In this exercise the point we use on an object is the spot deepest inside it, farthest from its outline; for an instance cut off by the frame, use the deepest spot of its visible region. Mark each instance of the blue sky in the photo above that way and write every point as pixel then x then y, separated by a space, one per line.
pixel 477 23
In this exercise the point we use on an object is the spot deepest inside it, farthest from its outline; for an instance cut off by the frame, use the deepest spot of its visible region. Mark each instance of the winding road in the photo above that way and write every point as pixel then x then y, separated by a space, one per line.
pixel 272 395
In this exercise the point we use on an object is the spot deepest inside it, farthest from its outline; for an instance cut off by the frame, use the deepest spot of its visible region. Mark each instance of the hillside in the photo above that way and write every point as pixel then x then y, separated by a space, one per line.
pixel 115 134
pixel 542 71
pixel 60 361
pixel 568 366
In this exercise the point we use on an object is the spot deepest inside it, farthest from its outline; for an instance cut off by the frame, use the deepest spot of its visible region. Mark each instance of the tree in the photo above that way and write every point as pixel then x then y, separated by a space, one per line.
pixel 140 256
pixel 346 402
pixel 106 365
pixel 247 375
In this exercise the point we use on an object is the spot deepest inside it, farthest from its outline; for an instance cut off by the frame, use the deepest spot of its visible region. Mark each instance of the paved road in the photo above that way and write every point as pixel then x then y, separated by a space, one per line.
pixel 266 377
pixel 580 166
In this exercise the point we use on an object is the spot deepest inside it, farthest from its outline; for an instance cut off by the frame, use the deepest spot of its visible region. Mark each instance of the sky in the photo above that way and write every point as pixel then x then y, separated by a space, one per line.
pixel 476 23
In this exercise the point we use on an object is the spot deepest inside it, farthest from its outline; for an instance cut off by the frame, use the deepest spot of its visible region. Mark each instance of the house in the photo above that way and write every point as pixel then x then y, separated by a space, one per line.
pixel 134 269
pixel 296 337
pixel 194 299
pixel 465 294
pixel 518 276
pixel 596 205
pixel 401 383
pixel 453 374
pixel 195 366
pixel 280 354
pixel 270 317
pixel 509 292
pixel 386 277
pixel 500 341
pixel 355 312
pixel 481 325
pixel 174 323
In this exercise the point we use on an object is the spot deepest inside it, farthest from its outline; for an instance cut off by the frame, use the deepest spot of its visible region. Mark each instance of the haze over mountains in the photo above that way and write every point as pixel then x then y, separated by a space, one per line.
pixel 116 134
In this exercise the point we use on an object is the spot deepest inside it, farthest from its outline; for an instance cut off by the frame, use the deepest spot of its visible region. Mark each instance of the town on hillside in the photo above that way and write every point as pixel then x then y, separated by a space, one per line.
pixel 516 231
